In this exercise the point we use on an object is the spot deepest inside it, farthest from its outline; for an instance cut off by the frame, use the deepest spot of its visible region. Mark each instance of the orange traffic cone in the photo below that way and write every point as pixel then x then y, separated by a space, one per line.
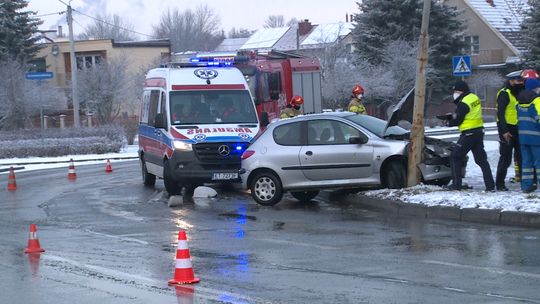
pixel 183 273
pixel 108 168
pixel 71 171
pixel 33 242
pixel 12 184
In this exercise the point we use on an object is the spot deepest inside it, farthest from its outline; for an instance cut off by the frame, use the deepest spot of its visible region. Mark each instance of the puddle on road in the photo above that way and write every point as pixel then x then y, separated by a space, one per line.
pixel 238 216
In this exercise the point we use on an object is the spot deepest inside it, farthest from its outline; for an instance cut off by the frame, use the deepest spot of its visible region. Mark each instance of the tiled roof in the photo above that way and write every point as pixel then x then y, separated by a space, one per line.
pixel 505 16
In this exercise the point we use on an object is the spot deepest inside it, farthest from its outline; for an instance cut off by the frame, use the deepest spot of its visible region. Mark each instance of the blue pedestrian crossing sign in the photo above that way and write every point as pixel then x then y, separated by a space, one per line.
pixel 462 65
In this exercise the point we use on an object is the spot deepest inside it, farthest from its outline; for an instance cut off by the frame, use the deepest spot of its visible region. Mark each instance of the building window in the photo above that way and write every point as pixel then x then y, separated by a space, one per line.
pixel 38 65
pixel 88 61
pixel 473 45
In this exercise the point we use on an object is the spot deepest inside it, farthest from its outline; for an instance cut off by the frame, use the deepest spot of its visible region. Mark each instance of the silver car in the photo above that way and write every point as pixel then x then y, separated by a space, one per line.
pixel 334 150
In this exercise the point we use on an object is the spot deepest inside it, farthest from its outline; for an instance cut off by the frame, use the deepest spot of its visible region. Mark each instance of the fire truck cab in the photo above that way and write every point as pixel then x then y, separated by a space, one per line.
pixel 275 77
pixel 197 118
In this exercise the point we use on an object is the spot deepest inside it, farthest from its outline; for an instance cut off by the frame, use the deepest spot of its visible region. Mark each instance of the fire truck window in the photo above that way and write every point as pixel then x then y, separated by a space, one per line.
pixel 264 87
pixel 154 103
pixel 274 85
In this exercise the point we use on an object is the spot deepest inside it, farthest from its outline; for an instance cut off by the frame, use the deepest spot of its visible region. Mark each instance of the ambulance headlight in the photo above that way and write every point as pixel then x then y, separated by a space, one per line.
pixel 180 145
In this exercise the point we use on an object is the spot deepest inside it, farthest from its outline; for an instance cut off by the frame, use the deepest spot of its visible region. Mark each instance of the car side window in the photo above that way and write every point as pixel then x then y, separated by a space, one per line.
pixel 288 134
pixel 330 132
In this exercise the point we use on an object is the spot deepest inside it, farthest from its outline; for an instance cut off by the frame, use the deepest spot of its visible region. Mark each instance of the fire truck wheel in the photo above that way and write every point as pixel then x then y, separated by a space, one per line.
pixel 171 185
pixel 148 179
pixel 266 188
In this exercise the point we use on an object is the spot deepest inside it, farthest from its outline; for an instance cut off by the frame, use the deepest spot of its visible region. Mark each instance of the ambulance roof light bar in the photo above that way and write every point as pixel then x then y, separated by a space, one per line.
pixel 192 59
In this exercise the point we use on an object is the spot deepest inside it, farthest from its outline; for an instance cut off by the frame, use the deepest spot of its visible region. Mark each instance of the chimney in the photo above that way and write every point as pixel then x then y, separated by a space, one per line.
pixel 59 33
pixel 304 27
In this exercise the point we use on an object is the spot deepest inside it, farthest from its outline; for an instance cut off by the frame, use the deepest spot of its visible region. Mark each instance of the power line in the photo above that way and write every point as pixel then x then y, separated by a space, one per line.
pixel 63 3
pixel 57 13
pixel 84 28
pixel 114 25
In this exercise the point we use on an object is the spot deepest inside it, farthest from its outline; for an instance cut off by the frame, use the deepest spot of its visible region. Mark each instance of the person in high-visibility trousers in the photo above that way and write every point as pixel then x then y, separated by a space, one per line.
pixel 293 107
pixel 356 105
pixel 528 109
pixel 468 119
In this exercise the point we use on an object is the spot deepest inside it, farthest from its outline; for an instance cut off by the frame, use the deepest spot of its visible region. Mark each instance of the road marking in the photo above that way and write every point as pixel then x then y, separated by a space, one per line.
pixel 488 269
pixel 122 238
pixel 298 244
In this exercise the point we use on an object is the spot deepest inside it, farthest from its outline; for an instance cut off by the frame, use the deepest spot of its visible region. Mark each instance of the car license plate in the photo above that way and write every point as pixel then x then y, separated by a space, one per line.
pixel 224 176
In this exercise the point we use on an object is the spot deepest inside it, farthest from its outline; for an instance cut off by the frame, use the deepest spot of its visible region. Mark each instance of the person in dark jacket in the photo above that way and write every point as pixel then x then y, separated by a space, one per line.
pixel 507 128
pixel 468 119
pixel 528 111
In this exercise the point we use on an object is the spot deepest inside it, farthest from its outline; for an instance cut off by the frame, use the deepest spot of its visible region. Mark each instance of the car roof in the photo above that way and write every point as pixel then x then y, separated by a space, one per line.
pixel 313 116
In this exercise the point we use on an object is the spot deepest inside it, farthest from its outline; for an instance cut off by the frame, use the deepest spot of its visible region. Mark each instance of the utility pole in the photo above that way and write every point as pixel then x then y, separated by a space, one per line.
pixel 416 147
pixel 74 97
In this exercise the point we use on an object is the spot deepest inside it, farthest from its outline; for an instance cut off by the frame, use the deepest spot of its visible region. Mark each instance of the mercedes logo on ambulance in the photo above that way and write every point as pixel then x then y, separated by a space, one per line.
pixel 224 150
pixel 206 73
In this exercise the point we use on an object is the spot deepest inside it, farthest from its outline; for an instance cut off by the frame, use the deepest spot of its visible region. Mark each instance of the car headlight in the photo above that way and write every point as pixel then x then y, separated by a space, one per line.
pixel 180 145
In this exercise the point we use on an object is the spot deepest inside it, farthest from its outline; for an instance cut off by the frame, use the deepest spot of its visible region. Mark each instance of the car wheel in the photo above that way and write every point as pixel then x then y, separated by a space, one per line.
pixel 395 176
pixel 304 196
pixel 171 185
pixel 148 178
pixel 266 189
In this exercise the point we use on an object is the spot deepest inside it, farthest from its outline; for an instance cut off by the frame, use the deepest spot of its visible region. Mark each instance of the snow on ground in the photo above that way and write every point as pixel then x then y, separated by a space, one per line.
pixel 513 200
pixel 37 163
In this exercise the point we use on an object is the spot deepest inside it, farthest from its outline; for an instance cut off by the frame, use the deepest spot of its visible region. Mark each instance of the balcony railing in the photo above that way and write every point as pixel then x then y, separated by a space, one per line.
pixel 488 57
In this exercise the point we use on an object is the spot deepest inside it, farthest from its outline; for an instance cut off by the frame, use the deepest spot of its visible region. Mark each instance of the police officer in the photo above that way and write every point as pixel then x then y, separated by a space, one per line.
pixel 356 105
pixel 468 118
pixel 293 107
pixel 528 110
pixel 507 128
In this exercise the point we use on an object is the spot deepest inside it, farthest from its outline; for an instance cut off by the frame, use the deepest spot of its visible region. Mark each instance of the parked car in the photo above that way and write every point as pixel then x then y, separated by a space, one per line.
pixel 335 150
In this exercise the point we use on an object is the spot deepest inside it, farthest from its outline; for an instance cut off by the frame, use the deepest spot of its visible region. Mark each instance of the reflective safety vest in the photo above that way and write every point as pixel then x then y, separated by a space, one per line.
pixel 289 113
pixel 510 113
pixel 356 106
pixel 473 119
pixel 528 125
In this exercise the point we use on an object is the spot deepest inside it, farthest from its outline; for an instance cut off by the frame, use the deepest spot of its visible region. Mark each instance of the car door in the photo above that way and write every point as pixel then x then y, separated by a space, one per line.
pixel 329 155
pixel 152 135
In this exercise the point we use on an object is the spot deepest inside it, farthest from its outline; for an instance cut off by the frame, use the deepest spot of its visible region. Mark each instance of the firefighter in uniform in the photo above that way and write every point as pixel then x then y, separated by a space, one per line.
pixel 528 110
pixel 468 118
pixel 356 105
pixel 293 107
pixel 507 128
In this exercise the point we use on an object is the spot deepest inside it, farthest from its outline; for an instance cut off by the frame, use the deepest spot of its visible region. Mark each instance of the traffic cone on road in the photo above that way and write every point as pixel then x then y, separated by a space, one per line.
pixel 71 171
pixel 12 184
pixel 183 273
pixel 33 242
pixel 108 168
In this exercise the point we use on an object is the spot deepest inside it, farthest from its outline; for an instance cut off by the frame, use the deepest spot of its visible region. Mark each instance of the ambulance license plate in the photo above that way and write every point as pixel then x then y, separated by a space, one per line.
pixel 224 176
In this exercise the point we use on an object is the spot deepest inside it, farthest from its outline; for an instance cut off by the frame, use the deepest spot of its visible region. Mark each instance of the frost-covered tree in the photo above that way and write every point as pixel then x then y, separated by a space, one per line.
pixel 21 98
pixel 531 30
pixel 109 27
pixel 105 87
pixel 18 30
pixel 239 33
pixel 383 21
pixel 189 30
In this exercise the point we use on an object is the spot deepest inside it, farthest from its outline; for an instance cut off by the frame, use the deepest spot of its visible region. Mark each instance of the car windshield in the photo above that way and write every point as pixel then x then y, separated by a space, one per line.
pixel 376 125
pixel 212 107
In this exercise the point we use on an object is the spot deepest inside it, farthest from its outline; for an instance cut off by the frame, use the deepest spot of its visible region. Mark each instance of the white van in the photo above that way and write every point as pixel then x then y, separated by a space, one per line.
pixel 196 121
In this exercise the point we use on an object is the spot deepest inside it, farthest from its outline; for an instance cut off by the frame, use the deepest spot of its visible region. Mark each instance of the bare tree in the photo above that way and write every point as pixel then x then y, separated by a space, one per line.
pixel 483 80
pixel 239 33
pixel 190 30
pixel 105 87
pixel 21 98
pixel 274 21
pixel 109 27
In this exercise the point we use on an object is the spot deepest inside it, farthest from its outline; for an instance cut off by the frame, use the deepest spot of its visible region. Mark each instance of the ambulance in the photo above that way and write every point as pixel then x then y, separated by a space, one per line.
pixel 197 118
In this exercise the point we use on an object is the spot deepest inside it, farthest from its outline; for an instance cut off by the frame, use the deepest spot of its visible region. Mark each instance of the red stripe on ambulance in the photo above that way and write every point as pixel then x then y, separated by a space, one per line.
pixel 180 87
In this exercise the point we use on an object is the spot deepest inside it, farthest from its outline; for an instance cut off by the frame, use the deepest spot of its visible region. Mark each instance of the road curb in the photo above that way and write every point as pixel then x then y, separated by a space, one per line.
pixel 475 215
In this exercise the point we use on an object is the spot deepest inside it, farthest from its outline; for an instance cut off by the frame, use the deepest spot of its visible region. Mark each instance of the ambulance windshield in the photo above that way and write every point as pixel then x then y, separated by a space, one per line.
pixel 212 107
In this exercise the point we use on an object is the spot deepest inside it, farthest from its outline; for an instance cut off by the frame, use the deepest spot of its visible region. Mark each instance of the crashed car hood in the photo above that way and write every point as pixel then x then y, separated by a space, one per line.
pixel 402 111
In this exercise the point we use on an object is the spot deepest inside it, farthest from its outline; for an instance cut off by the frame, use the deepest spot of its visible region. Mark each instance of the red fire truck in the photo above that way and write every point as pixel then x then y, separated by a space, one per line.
pixel 274 77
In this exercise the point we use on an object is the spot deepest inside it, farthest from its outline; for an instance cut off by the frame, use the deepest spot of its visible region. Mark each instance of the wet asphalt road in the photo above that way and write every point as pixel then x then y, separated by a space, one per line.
pixel 108 239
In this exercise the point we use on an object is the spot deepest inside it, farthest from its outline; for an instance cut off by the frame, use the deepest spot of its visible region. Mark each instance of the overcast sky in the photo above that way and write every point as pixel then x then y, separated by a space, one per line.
pixel 143 14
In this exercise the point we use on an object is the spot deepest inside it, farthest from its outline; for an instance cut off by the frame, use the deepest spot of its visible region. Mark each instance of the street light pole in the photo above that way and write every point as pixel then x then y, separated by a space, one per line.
pixel 74 97
pixel 416 146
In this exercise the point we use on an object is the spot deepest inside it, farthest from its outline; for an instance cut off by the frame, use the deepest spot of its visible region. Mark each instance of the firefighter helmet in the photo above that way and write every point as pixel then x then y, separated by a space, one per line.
pixel 529 73
pixel 358 89
pixel 297 101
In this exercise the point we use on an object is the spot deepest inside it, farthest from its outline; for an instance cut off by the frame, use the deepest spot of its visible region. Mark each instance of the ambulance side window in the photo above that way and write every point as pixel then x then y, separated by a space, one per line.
pixel 163 100
pixel 154 103
pixel 145 107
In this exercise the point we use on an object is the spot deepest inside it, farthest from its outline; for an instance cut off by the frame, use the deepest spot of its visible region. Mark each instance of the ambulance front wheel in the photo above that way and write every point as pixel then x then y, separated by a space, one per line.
pixel 148 179
pixel 171 185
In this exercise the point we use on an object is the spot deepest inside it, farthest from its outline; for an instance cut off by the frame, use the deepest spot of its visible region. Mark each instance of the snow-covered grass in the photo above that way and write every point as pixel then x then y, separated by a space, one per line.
pixel 513 200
